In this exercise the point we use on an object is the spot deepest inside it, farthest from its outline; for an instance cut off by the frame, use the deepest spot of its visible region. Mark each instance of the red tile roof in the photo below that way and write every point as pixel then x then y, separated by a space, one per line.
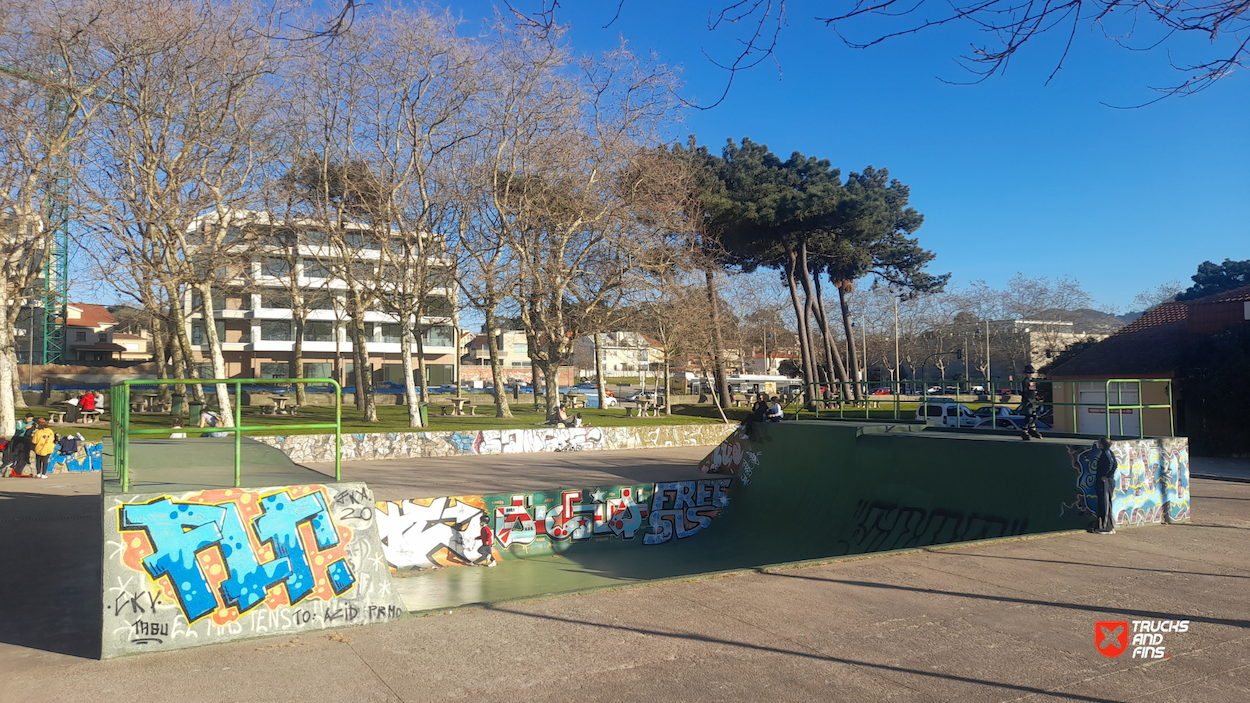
pixel 92 315
pixel 1148 347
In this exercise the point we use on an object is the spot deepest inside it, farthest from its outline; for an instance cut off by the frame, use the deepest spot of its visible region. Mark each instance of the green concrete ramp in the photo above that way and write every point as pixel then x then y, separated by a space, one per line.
pixel 792 492
pixel 202 462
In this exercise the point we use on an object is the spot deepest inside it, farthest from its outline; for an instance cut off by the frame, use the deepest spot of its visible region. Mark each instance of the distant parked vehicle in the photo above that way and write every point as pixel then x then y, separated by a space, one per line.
pixel 883 391
pixel 999 410
pixel 946 415
pixel 1013 423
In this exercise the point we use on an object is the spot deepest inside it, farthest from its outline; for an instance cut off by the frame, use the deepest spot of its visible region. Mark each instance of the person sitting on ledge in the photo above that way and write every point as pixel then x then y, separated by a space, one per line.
pixel 559 418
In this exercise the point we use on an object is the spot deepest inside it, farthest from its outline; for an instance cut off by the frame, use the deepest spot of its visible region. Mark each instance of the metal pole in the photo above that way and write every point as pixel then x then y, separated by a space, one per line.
pixel 987 351
pixel 898 369
pixel 338 432
pixel 238 434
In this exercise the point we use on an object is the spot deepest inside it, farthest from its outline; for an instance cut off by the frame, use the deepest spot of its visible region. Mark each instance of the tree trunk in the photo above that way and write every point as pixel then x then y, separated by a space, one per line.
pixel 805 352
pixel 423 377
pixel 496 367
pixel 8 413
pixel 297 357
pixel 410 388
pixel 190 369
pixel 850 338
pixel 364 370
pixel 214 350
pixel 18 400
pixel 601 383
pixel 718 340
pixel 832 353
pixel 159 348
pixel 551 386
pixel 668 388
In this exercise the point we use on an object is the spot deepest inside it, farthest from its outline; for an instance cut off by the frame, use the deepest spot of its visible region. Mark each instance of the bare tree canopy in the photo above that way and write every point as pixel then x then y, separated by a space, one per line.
pixel 1006 27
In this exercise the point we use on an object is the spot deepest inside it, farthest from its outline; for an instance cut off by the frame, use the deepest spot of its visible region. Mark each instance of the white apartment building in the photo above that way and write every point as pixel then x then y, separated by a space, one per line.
pixel 255 313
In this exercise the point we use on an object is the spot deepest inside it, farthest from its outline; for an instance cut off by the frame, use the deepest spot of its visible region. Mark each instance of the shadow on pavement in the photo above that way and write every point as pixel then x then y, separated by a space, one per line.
pixel 50 571
pixel 653 632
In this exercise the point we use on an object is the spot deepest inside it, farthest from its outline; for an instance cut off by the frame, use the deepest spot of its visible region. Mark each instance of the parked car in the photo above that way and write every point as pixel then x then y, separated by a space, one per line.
pixel 635 396
pixel 1013 423
pixel 999 410
pixel 883 391
pixel 946 415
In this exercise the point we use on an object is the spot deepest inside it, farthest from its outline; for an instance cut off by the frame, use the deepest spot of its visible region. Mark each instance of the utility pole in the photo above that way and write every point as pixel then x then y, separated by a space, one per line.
pixel 898 369
pixel 987 352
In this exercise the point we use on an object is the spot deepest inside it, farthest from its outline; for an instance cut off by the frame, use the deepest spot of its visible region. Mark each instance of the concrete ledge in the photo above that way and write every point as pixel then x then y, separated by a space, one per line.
pixel 409 445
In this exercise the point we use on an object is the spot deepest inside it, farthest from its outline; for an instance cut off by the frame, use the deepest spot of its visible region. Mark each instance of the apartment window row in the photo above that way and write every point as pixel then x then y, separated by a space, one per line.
pixel 278 299
pixel 314 331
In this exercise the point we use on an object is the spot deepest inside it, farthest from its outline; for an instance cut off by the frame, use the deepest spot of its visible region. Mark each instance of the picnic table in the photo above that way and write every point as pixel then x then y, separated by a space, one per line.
pixel 279 405
pixel 575 400
pixel 56 416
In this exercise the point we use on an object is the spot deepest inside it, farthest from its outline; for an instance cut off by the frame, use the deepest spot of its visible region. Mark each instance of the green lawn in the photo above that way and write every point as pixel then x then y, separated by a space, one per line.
pixel 394 418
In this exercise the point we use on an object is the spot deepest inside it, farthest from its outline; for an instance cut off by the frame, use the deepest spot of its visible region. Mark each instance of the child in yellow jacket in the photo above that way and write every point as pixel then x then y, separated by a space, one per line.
pixel 44 440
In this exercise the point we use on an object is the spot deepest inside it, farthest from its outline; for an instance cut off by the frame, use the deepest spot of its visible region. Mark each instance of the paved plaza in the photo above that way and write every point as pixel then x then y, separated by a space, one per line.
pixel 1006 621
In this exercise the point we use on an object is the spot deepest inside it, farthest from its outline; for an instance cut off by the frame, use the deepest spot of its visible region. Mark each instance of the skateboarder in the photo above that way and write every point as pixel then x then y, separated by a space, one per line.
pixel 1032 406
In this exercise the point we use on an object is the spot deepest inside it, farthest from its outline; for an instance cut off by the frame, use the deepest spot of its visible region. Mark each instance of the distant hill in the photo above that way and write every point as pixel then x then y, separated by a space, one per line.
pixel 1088 321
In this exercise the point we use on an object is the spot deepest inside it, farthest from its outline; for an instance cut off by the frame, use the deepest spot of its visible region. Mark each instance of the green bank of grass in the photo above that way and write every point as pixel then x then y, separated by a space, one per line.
pixel 394 418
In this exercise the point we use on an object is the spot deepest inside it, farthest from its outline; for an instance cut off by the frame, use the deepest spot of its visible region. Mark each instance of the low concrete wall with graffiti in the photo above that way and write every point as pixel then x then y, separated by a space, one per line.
pixel 406 445
pixel 199 567
pixel 909 488
pixel 437 532
pixel 1151 480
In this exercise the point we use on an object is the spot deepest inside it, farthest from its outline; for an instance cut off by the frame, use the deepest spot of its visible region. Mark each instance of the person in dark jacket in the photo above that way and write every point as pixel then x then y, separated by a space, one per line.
pixel 1105 466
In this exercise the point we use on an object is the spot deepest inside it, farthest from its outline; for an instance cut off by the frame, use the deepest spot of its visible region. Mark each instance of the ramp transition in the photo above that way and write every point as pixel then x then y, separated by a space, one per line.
pixel 792 492
pixel 188 560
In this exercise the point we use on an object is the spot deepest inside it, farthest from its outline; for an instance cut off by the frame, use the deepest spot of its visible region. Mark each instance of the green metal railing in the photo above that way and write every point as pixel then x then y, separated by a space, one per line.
pixel 120 411
pixel 865 405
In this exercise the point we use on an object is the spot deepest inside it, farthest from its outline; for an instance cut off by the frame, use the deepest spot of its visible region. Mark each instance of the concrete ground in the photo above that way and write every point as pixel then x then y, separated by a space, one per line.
pixel 1212 467
pixel 1007 621
pixel 402 479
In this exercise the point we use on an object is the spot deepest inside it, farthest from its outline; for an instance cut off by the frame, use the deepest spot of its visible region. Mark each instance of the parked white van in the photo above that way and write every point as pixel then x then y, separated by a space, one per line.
pixel 946 415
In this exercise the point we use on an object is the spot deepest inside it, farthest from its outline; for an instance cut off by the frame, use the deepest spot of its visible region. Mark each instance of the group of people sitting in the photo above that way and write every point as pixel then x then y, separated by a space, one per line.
pixel 560 418
pixel 34 435
pixel 765 409
pixel 85 402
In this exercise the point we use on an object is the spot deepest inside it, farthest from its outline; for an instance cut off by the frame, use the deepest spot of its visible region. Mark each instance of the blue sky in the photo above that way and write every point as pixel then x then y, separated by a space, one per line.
pixel 1011 174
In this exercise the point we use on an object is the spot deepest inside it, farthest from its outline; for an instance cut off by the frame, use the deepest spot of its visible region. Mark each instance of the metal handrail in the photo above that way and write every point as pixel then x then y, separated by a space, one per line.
pixel 991 387
pixel 120 423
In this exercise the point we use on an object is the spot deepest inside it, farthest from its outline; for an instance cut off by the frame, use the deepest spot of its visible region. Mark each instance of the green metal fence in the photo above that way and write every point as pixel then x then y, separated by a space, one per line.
pixel 861 402
pixel 122 431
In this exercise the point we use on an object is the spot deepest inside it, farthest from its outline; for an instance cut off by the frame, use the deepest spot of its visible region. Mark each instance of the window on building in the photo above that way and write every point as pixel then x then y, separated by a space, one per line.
pixel 318 300
pixel 390 334
pixel 360 240
pixel 438 336
pixel 80 336
pixel 204 369
pixel 314 238
pixel 276 299
pixel 275 266
pixel 318 370
pixel 239 331
pixel 316 269
pixel 275 330
pixel 522 348
pixel 199 334
pixel 438 306
pixel 318 331
pixel 274 369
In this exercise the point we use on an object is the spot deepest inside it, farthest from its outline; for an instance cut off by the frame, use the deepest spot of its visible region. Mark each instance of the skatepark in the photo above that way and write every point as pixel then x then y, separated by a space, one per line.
pixel 686 560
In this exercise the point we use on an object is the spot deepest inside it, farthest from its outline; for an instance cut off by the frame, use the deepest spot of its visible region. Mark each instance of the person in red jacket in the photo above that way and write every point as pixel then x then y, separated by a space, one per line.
pixel 87 402
pixel 487 536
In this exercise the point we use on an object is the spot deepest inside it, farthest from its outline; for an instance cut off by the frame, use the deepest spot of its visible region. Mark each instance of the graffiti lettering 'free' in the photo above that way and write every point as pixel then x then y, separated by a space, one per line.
pixel 225 556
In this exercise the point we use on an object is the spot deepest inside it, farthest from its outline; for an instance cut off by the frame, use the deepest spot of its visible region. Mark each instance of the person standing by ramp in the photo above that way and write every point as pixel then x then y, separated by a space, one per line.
pixel 44 440
pixel 1105 466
